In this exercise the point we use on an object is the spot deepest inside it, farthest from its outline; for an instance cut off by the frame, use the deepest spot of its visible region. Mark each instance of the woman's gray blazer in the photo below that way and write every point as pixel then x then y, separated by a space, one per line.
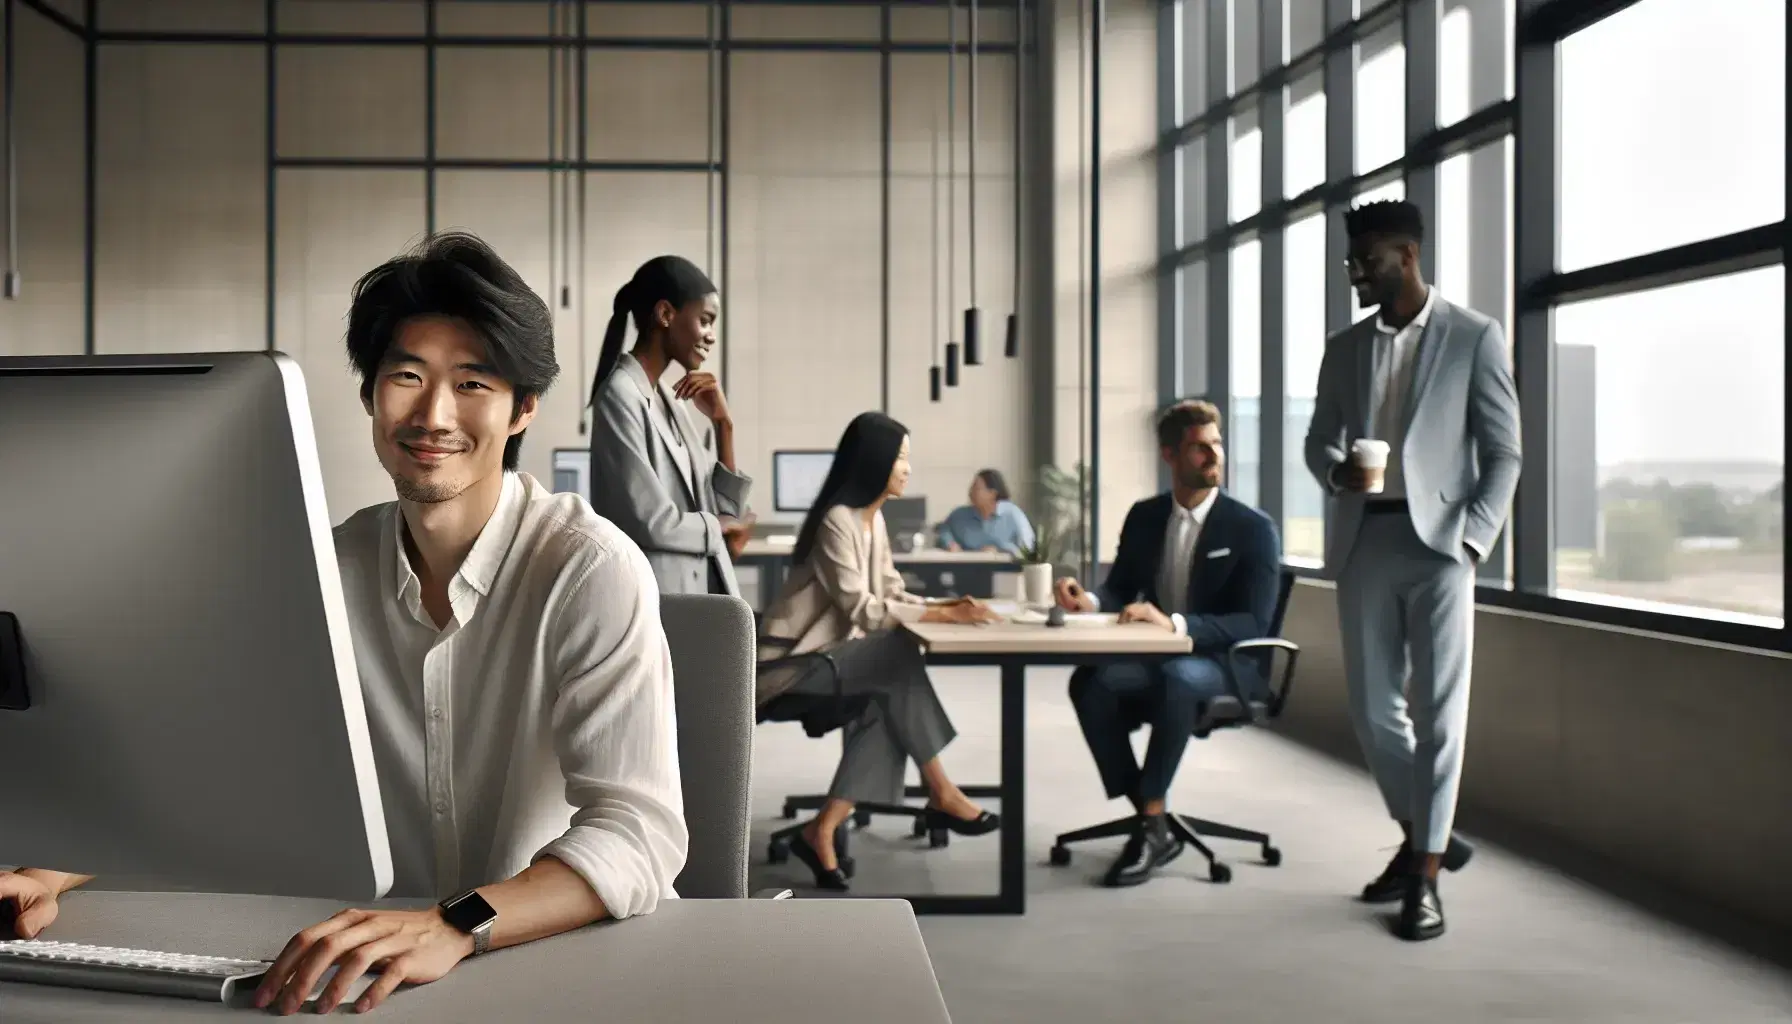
pixel 636 482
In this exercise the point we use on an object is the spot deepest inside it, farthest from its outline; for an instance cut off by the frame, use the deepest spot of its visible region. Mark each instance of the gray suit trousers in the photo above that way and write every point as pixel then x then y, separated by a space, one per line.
pixel 903 721
pixel 1407 616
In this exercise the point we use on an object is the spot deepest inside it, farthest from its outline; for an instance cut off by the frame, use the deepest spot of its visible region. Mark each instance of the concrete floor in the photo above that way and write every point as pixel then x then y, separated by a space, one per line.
pixel 1276 945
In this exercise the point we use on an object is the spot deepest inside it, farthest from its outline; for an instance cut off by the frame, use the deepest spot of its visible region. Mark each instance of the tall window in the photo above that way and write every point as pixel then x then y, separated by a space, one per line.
pixel 1670 405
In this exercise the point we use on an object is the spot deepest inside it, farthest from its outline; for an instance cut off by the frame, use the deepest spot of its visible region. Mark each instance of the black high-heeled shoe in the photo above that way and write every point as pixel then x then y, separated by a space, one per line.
pixel 831 879
pixel 983 824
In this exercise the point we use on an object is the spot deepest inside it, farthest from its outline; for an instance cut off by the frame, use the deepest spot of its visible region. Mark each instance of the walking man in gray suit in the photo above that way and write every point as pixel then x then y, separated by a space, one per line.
pixel 1432 380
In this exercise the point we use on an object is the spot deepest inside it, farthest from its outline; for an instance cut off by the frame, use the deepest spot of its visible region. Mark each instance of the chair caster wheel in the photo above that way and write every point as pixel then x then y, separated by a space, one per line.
pixel 778 853
pixel 938 838
pixel 1220 873
pixel 848 866
pixel 1271 855
pixel 1060 856
pixel 862 819
pixel 789 813
pixel 919 829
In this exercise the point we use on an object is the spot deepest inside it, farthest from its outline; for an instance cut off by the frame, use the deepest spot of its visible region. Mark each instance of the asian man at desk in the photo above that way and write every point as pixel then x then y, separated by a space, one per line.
pixel 512 660
pixel 1196 561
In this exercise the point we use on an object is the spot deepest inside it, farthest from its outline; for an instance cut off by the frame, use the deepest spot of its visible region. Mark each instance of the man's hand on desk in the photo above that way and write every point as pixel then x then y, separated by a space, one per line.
pixel 1145 611
pixel 1071 595
pixel 410 946
pixel 32 900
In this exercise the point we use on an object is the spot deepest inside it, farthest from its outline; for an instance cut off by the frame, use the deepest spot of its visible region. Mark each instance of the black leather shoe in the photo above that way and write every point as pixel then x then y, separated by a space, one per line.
pixel 1390 885
pixel 831 879
pixel 1149 848
pixel 1421 912
pixel 983 824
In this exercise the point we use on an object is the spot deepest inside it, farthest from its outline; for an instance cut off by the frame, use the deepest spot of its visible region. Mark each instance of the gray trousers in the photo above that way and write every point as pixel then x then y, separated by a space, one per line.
pixel 1407 618
pixel 903 720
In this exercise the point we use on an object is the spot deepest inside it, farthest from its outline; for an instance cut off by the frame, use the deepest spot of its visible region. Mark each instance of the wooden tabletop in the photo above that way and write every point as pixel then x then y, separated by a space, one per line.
pixel 1011 638
pixel 759 547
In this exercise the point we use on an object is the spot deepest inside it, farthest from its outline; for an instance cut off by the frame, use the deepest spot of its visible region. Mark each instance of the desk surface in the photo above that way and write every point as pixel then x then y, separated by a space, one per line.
pixel 1007 638
pixel 707 961
pixel 759 547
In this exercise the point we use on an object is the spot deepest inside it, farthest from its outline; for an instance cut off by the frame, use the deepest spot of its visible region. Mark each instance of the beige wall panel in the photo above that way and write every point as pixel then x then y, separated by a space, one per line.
pixel 351 17
pixel 929 25
pixel 182 199
pixel 470 18
pixel 47 317
pixel 649 20
pixel 792 21
pixel 333 227
pixel 182 15
pixel 349 101
pixel 804 245
pixel 647 105
pixel 493 103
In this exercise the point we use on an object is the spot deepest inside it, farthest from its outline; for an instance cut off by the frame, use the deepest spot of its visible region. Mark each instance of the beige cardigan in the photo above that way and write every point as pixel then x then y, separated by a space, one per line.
pixel 846 588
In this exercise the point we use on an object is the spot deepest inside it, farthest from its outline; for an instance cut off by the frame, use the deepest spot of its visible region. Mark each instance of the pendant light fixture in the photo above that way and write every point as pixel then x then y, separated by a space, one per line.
pixel 566 109
pixel 1011 341
pixel 973 316
pixel 951 187
pixel 933 247
pixel 11 289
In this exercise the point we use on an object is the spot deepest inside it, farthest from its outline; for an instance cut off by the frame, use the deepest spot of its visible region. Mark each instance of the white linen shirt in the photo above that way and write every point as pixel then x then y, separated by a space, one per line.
pixel 1395 357
pixel 539 721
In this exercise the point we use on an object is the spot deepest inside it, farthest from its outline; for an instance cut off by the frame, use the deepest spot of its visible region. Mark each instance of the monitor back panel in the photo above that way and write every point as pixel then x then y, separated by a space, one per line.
pixel 196 720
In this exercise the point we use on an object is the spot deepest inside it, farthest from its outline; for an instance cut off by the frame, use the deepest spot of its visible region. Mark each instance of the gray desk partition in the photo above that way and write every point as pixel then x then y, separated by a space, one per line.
pixel 689 962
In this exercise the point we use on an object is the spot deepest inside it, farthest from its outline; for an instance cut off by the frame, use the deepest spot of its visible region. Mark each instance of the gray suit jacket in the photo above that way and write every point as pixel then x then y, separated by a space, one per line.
pixel 1461 458
pixel 637 484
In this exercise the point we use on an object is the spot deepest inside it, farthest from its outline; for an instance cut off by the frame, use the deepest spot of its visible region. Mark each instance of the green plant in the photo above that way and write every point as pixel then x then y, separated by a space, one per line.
pixel 1058 517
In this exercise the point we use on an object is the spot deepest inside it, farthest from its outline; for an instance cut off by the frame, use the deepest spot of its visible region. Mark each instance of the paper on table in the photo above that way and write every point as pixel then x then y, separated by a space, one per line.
pixel 1091 619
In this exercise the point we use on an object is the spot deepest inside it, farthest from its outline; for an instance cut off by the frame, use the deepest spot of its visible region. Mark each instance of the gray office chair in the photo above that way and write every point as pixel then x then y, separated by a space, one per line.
pixel 712 641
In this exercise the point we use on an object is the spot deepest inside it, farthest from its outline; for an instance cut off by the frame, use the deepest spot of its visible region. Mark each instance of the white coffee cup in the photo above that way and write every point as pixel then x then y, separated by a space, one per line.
pixel 1371 456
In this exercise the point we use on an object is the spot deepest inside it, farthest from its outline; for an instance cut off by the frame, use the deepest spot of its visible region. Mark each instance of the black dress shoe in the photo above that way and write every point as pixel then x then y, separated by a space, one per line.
pixel 1390 885
pixel 1421 912
pixel 831 879
pixel 983 824
pixel 1149 848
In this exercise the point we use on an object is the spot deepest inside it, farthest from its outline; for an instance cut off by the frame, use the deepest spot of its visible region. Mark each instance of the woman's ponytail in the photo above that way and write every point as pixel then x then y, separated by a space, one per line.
pixel 612 350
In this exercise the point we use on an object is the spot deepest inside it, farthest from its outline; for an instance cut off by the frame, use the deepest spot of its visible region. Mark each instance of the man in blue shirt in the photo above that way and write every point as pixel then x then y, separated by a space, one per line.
pixel 990 522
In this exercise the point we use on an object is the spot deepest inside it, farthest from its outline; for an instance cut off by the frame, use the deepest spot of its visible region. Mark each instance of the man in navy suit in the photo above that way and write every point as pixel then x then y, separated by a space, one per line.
pixel 1194 561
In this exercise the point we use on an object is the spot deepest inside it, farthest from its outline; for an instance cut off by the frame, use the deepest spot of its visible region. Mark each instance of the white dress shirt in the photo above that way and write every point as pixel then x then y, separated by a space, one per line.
pixel 539 721
pixel 1395 352
pixel 1174 570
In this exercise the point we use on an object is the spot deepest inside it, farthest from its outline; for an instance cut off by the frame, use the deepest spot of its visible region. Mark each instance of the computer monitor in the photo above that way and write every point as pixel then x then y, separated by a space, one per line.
pixel 903 519
pixel 189 716
pixel 797 477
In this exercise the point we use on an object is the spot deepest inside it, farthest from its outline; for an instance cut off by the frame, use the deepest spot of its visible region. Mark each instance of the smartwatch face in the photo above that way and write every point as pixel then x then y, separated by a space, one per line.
pixel 468 912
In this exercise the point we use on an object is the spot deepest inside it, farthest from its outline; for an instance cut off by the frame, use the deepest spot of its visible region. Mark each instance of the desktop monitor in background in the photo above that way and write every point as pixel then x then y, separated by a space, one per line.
pixel 189 714
pixel 797 477
pixel 906 519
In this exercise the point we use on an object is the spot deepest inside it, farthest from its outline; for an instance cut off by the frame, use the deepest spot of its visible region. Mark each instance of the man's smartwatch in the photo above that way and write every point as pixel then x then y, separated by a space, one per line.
pixel 469 913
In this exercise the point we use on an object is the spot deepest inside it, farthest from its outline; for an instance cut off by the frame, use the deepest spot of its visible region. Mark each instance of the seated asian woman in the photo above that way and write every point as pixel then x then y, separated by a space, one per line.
pixel 844 596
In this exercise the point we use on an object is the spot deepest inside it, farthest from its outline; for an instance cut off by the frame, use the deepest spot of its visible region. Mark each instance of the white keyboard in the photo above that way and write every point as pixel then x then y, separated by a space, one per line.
pixel 142 971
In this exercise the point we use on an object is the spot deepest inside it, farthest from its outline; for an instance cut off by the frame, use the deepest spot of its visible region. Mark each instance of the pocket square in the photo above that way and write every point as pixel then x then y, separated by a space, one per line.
pixel 1219 553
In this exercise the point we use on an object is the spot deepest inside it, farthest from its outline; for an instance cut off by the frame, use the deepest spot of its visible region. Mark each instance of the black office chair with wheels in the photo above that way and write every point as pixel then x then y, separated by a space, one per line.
pixel 1228 712
pixel 821 714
